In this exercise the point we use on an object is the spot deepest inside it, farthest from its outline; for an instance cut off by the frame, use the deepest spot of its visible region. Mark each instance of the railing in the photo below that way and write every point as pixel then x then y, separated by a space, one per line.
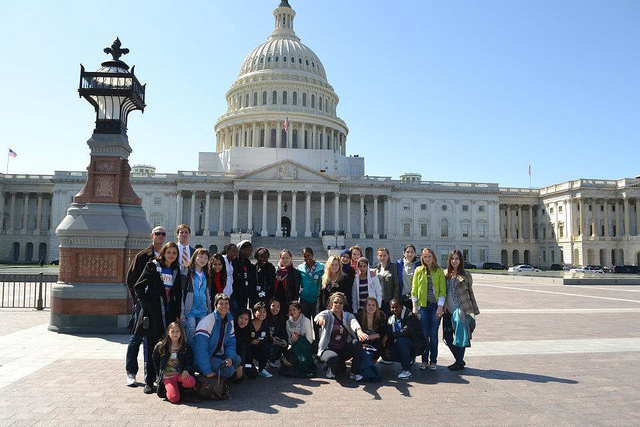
pixel 26 290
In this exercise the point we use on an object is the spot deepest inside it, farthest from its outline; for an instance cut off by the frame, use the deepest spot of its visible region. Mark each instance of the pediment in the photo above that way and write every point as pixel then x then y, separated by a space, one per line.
pixel 286 170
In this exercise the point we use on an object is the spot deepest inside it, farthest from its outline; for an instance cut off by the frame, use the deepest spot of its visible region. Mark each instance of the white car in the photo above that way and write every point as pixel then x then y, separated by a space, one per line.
pixel 520 268
pixel 587 269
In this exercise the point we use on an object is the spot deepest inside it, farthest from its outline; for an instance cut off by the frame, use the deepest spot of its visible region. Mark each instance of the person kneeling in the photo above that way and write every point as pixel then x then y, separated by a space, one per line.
pixel 173 360
pixel 406 340
pixel 214 344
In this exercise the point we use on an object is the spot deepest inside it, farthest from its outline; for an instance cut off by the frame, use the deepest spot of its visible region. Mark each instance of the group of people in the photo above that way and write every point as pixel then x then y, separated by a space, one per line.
pixel 224 315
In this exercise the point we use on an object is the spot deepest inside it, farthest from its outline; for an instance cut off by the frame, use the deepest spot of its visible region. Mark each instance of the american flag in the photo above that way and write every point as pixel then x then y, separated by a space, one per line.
pixel 286 124
pixel 529 169
pixel 12 153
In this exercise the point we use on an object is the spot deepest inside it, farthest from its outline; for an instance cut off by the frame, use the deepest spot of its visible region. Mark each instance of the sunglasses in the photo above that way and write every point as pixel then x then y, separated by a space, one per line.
pixel 338 302
pixel 160 233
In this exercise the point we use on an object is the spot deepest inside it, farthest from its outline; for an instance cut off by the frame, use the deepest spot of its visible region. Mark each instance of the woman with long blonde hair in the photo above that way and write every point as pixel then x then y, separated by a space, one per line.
pixel 333 280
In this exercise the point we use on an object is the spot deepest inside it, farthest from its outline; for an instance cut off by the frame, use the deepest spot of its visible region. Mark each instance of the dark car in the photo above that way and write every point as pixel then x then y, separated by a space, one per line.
pixel 493 266
pixel 469 266
pixel 625 269
pixel 556 267
pixel 55 262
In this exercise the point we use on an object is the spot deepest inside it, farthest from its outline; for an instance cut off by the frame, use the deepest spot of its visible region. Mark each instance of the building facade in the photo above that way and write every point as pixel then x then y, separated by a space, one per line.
pixel 281 176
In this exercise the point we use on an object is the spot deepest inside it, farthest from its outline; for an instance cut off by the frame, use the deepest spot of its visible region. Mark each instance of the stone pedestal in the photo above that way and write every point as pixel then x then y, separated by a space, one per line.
pixel 104 228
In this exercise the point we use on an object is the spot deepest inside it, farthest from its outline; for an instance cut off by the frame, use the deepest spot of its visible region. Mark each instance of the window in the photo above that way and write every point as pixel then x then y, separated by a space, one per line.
pixel 444 207
pixel 550 211
pixel 613 208
pixel 465 208
pixel 423 207
pixel 482 230
pixel 423 230
pixel 284 97
pixel 560 209
pixel 406 207
pixel 255 98
pixel 482 255
pixel 481 208
pixel 406 229
pixel 295 98
pixel 313 101
pixel 274 97
pixel 320 103
pixel 264 98
pixel 544 256
pixel 304 99
pixel 444 228
pixel 157 201
pixel 561 230
pixel 246 100
pixel 465 254
pixel 465 230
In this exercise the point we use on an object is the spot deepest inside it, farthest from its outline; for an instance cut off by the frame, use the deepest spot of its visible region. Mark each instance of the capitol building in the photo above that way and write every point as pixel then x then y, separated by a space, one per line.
pixel 281 176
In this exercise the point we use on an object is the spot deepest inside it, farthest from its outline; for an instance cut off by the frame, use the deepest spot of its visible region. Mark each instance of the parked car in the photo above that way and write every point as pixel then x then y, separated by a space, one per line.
pixel 556 267
pixel 469 266
pixel 493 266
pixel 55 262
pixel 588 269
pixel 625 269
pixel 521 268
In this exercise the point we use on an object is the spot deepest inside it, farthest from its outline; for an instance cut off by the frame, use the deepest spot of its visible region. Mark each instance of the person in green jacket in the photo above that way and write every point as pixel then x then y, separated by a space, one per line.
pixel 428 293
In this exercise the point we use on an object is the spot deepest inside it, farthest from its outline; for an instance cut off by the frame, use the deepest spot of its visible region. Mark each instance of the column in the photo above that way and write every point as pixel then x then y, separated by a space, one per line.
pixel 254 139
pixel 348 234
pixel 25 213
pixel 178 208
pixel 531 236
pixel 301 140
pixel 605 205
pixel 496 219
pixel 568 214
pixel 556 227
pixel 278 145
pixel 2 202
pixel 637 216
pixel 307 215
pixel 207 206
pixel 221 219
pixel 619 217
pixel 279 215
pixel 581 217
pixel 250 211
pixel 243 138
pixel 234 224
pixel 336 211
pixel 192 218
pixel 266 134
pixel 322 195
pixel 264 232
pixel 376 235
pixel 39 214
pixel 520 222
pixel 294 229
pixel 314 137
pixel 362 230
pixel 627 223
pixel 594 218
pixel 508 221
pixel 387 215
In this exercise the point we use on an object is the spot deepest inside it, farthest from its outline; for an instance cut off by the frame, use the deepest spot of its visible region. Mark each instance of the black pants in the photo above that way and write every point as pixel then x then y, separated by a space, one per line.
pixel 333 357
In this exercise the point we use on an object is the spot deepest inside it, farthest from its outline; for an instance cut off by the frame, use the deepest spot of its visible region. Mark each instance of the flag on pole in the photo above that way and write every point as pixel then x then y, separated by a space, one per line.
pixel 529 169
pixel 12 153
pixel 286 125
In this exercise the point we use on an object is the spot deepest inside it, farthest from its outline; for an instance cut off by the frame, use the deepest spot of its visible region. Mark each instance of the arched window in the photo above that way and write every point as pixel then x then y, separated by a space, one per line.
pixel 264 98
pixel 274 97
pixel 246 100
pixel 261 137
pixel 320 103
pixel 255 98
pixel 295 98
pixel 304 99
pixel 28 256
pixel 42 251
pixel 444 228
pixel 16 251
pixel 273 139
pixel 284 97
pixel 276 59
pixel 313 101
pixel 294 138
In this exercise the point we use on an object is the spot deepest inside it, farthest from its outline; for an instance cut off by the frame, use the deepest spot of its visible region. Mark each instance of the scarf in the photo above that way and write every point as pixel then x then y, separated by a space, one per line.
pixel 295 324
pixel 281 276
pixel 220 284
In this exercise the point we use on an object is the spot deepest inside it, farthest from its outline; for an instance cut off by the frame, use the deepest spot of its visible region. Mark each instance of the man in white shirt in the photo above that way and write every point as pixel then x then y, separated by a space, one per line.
pixel 183 233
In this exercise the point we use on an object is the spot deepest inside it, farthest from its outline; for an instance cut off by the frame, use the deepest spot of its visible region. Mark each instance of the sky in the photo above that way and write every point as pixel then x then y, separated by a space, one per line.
pixel 461 90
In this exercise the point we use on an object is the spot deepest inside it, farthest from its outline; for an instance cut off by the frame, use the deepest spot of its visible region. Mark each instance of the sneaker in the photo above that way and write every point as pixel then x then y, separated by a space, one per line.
pixel 356 377
pixel 264 373
pixel 386 362
pixel 148 389
pixel 330 373
pixel 432 367
pixel 404 375
pixel 131 380
pixel 422 366
pixel 456 367
pixel 274 364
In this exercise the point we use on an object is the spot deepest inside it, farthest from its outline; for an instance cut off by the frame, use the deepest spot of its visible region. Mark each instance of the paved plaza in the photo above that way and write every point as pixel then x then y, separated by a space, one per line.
pixel 542 354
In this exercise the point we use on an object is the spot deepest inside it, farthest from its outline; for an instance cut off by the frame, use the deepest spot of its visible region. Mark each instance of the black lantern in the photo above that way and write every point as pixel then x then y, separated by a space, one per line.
pixel 113 90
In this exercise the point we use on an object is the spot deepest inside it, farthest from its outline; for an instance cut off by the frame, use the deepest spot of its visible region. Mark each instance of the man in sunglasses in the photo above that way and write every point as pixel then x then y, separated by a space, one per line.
pixel 158 235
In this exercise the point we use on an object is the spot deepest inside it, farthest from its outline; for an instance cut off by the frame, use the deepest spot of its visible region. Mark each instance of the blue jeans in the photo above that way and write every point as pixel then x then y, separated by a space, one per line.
pixel 402 351
pixel 430 325
pixel 190 327
pixel 218 366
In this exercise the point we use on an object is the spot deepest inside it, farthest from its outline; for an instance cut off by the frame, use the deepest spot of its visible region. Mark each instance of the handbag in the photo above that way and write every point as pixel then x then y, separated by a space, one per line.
pixel 211 388
pixel 143 323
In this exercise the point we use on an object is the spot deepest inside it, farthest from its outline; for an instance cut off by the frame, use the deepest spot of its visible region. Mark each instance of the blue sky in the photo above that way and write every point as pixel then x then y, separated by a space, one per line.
pixel 461 90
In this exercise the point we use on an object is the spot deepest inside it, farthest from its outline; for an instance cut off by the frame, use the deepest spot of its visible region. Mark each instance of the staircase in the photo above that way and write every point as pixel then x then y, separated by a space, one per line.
pixel 295 245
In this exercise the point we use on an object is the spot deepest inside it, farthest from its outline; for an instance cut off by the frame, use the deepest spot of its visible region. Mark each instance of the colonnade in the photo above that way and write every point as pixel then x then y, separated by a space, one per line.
pixel 259 134
pixel 11 225
pixel 282 197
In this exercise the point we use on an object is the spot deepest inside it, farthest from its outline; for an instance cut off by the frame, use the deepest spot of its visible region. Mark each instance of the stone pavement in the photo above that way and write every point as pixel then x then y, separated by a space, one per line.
pixel 542 354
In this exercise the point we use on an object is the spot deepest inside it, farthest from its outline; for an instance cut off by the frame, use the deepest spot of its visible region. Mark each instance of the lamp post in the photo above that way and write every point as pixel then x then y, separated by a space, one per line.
pixel 105 225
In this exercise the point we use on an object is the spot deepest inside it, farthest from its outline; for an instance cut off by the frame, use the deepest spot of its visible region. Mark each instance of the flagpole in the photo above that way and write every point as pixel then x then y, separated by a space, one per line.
pixel 8 161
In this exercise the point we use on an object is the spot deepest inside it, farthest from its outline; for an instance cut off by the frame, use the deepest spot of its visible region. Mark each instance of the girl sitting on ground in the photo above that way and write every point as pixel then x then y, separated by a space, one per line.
pixel 260 340
pixel 277 323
